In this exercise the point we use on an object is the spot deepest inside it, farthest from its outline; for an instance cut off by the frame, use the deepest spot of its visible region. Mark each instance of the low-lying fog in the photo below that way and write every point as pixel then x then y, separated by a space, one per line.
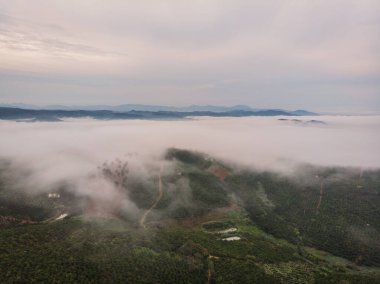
pixel 56 151
pixel 77 144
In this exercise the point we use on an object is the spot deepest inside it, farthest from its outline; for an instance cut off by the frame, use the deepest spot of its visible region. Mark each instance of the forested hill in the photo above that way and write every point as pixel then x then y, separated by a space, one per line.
pixel 198 221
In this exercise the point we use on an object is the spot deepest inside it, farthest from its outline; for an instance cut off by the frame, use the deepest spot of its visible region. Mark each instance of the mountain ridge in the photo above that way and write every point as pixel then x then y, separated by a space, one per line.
pixel 11 113
pixel 152 108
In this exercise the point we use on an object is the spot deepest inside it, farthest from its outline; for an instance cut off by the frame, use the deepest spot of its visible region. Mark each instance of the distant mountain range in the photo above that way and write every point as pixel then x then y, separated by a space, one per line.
pixel 128 111
pixel 140 107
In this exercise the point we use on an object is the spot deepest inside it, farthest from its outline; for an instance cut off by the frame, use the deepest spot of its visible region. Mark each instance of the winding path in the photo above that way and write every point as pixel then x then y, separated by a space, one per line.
pixel 160 193
pixel 320 195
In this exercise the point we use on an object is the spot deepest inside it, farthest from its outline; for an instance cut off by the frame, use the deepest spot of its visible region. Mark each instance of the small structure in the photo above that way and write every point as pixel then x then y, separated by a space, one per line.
pixel 229 239
pixel 54 195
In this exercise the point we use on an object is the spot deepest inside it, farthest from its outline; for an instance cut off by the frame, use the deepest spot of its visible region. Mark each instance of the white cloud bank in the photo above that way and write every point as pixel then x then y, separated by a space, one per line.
pixel 76 147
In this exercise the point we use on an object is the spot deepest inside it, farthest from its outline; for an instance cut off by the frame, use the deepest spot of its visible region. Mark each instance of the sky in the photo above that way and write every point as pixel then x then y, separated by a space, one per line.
pixel 319 55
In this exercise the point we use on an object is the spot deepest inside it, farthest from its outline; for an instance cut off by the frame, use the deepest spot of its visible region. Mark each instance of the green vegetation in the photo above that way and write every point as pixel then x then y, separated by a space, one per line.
pixel 142 192
pixel 319 226
pixel 346 223
pixel 80 251
pixel 73 251
pixel 190 158
pixel 217 225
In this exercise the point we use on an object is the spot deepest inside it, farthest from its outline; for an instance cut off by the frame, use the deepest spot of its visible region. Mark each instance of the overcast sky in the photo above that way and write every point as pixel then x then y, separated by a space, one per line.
pixel 317 55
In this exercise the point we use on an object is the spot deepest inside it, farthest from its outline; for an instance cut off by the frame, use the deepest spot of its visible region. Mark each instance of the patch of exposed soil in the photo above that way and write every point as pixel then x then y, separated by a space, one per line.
pixel 218 171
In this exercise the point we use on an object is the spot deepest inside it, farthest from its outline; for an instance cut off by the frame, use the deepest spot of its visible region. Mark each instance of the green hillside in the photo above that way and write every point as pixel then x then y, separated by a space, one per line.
pixel 211 223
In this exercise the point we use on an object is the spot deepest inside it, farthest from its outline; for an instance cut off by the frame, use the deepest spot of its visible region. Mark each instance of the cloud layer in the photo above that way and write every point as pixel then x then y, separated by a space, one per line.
pixel 82 155
pixel 76 147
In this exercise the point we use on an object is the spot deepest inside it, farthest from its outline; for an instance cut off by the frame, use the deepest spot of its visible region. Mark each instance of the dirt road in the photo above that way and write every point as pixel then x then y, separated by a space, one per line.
pixel 160 193
pixel 320 195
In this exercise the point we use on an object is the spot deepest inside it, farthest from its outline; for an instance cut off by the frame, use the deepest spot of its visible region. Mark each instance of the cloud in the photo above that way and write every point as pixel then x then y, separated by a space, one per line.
pixel 44 49
pixel 75 147
pixel 75 154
